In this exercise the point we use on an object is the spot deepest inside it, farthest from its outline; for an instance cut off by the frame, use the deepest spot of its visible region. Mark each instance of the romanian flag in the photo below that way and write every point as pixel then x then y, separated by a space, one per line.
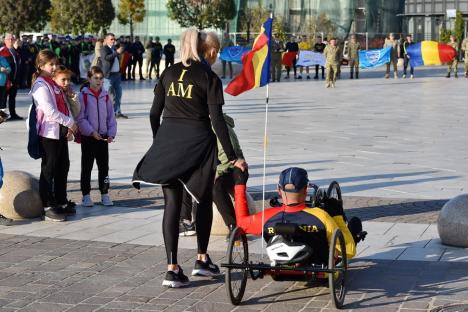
pixel 256 64
pixel 430 53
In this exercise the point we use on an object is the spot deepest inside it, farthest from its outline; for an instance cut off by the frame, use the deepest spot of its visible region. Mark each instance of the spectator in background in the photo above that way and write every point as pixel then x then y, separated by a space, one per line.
pixel 304 45
pixel 111 69
pixel 319 47
pixel 13 59
pixel 169 53
pixel 226 43
pixel 130 49
pixel 149 51
pixel 138 51
pixel 406 57
pixel 292 46
pixel 394 46
pixel 277 49
pixel 156 54
pixel 5 70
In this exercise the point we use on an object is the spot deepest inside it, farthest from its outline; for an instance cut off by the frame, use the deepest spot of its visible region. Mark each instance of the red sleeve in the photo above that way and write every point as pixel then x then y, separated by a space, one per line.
pixel 251 224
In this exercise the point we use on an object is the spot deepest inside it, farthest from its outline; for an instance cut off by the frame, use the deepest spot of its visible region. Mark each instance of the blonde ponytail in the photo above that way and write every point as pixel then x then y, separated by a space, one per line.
pixel 190 46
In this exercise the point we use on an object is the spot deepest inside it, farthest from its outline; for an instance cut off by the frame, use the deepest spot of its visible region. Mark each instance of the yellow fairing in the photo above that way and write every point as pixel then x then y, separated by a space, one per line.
pixel 333 223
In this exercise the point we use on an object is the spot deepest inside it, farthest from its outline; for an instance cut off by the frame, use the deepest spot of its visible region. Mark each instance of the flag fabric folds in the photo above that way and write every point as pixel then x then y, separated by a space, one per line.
pixel 374 58
pixel 233 54
pixel 430 53
pixel 256 64
pixel 309 58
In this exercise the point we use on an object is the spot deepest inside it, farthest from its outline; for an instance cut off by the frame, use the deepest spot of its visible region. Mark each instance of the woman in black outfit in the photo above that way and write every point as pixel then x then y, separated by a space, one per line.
pixel 189 96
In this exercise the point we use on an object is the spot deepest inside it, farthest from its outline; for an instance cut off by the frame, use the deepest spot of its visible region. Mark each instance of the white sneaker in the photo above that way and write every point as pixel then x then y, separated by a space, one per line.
pixel 412 77
pixel 106 201
pixel 87 201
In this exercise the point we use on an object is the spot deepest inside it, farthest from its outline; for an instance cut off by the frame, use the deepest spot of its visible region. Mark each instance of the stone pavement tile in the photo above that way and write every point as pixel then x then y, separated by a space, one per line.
pixel 411 304
pixel 137 299
pixel 210 306
pixel 96 300
pixel 455 254
pixel 421 254
pixel 389 253
pixel 84 308
pixel 4 302
pixel 66 297
pixel 177 308
pixel 17 304
pixel 152 307
pixel 45 307
pixel 122 305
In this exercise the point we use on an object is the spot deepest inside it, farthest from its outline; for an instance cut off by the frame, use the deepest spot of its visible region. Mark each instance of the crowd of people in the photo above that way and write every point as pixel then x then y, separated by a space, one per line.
pixel 18 58
pixel 347 52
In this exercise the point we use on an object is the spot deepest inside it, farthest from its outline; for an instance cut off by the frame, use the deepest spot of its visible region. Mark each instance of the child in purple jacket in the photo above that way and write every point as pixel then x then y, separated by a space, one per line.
pixel 98 128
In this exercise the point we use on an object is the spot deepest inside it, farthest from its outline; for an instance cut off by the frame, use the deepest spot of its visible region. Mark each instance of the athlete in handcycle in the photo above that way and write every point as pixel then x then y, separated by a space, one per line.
pixel 303 243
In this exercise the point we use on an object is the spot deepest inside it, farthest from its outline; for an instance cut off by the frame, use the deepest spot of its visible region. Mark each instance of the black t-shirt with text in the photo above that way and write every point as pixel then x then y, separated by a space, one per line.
pixel 185 92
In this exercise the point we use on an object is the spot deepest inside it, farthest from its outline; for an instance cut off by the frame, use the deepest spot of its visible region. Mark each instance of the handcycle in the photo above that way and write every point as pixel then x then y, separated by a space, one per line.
pixel 238 267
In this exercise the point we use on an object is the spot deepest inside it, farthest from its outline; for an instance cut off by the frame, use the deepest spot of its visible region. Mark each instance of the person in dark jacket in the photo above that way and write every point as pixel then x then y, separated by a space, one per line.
pixel 169 53
pixel 156 55
pixel 13 58
pixel 111 69
pixel 183 155
pixel 138 50
pixel 292 46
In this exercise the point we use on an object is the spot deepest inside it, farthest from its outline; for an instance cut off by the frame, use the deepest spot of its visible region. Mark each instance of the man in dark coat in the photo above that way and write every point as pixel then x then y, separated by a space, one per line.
pixel 138 50
pixel 111 68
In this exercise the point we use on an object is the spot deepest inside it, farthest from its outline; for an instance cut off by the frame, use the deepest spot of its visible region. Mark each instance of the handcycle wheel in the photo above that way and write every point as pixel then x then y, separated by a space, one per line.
pixel 334 191
pixel 237 253
pixel 337 260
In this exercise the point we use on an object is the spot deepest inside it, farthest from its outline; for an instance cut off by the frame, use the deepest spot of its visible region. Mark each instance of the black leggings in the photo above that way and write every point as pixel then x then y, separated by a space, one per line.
pixel 173 194
pixel 222 192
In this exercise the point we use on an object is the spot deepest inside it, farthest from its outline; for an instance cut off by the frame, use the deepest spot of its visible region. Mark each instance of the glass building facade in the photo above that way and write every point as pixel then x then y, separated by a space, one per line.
pixel 377 17
pixel 156 23
pixel 425 18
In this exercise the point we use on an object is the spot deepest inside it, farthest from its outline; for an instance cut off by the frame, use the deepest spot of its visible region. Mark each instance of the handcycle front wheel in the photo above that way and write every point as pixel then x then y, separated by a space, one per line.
pixel 237 253
pixel 339 262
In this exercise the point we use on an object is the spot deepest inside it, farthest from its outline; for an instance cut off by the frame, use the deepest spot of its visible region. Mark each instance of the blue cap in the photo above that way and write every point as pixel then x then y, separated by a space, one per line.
pixel 295 176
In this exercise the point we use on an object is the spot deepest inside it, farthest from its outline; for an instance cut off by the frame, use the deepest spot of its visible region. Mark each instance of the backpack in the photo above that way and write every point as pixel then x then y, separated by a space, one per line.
pixel 85 102
pixel 34 142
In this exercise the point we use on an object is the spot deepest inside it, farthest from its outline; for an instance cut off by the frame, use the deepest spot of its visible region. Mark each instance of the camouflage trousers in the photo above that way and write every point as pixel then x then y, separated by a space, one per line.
pixel 331 70
pixel 353 66
pixel 453 65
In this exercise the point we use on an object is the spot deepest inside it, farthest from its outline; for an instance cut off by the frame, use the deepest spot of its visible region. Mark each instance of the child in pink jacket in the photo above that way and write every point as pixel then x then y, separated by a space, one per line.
pixel 98 128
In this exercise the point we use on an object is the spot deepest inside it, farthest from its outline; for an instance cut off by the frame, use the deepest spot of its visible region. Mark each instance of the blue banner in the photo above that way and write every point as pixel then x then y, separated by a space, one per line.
pixel 233 54
pixel 374 58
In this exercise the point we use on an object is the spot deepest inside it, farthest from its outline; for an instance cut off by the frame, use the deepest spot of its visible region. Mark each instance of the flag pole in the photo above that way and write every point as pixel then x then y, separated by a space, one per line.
pixel 265 136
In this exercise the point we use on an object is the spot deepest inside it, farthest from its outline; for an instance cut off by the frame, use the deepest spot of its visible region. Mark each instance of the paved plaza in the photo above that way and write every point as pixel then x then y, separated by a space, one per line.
pixel 395 146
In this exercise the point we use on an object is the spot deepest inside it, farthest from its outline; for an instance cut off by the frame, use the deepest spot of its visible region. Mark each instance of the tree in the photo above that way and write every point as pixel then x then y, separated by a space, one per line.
pixel 459 27
pixel 81 16
pixel 130 12
pixel 320 24
pixel 252 19
pixel 17 15
pixel 201 13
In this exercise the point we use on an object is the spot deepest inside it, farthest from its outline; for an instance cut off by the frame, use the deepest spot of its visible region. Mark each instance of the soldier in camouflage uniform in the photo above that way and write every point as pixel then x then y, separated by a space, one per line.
pixel 353 55
pixel 277 48
pixel 464 47
pixel 391 42
pixel 332 56
pixel 453 64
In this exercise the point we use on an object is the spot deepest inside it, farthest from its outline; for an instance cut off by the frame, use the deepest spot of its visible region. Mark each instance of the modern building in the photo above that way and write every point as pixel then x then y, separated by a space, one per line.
pixel 375 17
pixel 425 18
pixel 156 23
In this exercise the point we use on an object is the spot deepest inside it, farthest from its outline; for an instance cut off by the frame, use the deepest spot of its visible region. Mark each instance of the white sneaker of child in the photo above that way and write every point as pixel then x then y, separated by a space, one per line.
pixel 87 201
pixel 106 201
